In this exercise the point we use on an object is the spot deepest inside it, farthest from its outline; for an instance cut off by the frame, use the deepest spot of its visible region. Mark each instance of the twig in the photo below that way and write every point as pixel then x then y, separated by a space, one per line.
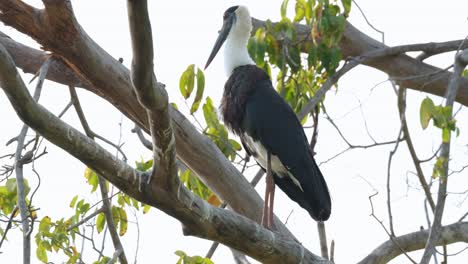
pixel 323 239
pixel 313 140
pixel 137 247
pixel 20 160
pixel 389 205
pixel 65 109
pixel 409 142
pixel 239 258
pixel 101 181
pixel 86 219
pixel 137 130
pixel 385 229
pixel 9 224
pixel 369 23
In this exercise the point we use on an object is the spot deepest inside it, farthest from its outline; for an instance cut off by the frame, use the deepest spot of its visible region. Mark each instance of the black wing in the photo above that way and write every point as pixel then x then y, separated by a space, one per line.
pixel 271 121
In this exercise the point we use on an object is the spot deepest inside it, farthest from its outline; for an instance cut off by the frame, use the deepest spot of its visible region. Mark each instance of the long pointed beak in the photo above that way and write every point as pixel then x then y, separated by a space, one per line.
pixel 223 33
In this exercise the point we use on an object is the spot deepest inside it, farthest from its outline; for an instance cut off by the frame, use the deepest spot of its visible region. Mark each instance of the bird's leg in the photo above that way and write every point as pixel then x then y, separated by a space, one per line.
pixel 267 218
pixel 265 204
pixel 272 198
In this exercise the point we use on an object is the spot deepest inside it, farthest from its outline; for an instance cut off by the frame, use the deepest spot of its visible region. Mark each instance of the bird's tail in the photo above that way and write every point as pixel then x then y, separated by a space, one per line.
pixel 318 196
pixel 313 195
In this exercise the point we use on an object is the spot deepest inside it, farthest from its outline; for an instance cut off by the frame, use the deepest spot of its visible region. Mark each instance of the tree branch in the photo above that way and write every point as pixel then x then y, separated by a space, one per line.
pixel 111 80
pixel 392 248
pixel 152 96
pixel 412 73
pixel 108 78
pixel 461 60
pixel 198 217
pixel 106 202
pixel 412 151
pixel 20 160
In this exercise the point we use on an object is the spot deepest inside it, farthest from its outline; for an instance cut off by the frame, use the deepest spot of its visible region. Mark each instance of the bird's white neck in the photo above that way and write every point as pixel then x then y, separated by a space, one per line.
pixel 235 50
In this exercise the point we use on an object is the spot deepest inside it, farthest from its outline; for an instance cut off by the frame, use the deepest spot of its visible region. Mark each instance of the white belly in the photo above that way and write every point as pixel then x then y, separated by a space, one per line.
pixel 261 157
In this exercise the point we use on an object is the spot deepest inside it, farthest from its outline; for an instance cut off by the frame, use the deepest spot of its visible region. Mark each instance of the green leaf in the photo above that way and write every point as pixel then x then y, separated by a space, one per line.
pixel 235 145
pixel 346 5
pixel 11 185
pixel 91 178
pixel 144 165
pixel 45 224
pixel 312 57
pixel 135 203
pixel 210 113
pixel 284 7
pixel 115 215
pixel 309 10
pixel 123 221
pixel 438 170
pixel 41 254
pixel 200 90
pixel 100 222
pixel 465 73
pixel 73 201
pixel 146 208
pixel 300 8
pixel 426 111
pixel 84 208
pixel 45 244
pixel 187 81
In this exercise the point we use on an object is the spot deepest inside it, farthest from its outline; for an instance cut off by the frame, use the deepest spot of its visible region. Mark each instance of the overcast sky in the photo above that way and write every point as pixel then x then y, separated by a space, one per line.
pixel 184 32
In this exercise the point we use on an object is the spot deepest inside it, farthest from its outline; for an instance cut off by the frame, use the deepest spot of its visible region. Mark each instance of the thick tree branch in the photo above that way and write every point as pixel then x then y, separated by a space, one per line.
pixel 111 80
pixel 30 60
pixel 198 217
pixel 152 96
pixel 408 72
pixel 392 248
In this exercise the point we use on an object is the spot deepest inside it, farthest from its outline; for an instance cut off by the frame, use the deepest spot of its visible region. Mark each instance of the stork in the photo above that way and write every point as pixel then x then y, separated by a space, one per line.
pixel 267 126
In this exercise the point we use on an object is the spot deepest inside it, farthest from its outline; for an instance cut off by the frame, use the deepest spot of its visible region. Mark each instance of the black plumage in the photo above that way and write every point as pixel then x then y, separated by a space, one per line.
pixel 253 110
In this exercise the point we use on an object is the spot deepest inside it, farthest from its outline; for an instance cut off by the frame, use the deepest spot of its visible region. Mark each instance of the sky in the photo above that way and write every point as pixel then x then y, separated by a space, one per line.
pixel 184 32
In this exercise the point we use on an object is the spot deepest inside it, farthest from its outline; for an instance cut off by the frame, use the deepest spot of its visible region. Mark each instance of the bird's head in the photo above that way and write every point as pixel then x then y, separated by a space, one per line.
pixel 237 24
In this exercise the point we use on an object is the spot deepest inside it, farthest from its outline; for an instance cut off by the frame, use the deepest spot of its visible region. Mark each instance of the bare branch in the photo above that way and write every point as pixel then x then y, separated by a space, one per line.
pixel 102 183
pixel 9 225
pixel 20 161
pixel 86 219
pixel 323 239
pixel 369 23
pixel 389 205
pixel 461 60
pixel 388 250
pixel 392 238
pixel 412 151
pixel 142 138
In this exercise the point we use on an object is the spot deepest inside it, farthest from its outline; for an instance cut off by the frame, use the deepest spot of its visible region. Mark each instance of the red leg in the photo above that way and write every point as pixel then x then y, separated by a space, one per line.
pixel 265 205
pixel 267 218
pixel 272 200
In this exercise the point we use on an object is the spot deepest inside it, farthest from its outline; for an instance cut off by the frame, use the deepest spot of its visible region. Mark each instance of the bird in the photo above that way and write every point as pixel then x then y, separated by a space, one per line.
pixel 265 123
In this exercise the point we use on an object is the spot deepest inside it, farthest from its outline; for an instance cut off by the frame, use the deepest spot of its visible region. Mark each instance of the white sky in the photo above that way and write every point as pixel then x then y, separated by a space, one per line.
pixel 184 32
